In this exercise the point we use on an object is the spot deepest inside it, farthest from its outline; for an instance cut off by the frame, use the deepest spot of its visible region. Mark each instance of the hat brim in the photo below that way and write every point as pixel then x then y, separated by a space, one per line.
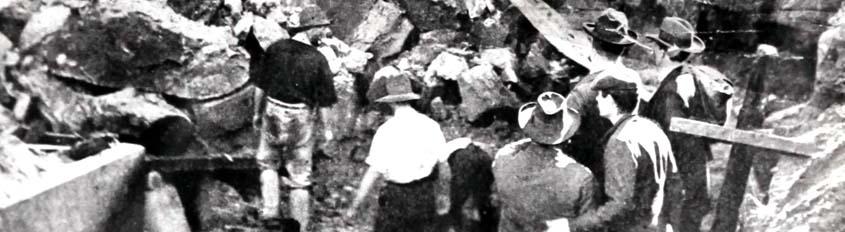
pixel 697 45
pixel 629 39
pixel 399 98
pixel 549 132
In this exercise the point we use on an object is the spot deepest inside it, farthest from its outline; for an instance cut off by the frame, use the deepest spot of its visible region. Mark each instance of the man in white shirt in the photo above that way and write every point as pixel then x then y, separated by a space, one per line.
pixel 410 153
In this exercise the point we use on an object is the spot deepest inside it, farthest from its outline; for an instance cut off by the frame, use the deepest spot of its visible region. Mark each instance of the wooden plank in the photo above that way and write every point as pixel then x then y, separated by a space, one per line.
pixel 76 197
pixel 750 138
pixel 201 163
pixel 569 39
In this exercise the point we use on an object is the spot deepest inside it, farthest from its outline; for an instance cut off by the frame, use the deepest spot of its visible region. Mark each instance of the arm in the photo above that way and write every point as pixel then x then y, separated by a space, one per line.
pixel 258 104
pixel 619 187
pixel 443 187
pixel 370 178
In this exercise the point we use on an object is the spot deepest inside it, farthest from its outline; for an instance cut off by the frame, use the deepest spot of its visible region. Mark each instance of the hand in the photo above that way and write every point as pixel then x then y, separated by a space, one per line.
pixel 443 204
pixel 558 225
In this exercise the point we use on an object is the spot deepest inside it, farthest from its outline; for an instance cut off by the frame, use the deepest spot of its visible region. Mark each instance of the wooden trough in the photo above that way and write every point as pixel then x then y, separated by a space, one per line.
pixel 80 196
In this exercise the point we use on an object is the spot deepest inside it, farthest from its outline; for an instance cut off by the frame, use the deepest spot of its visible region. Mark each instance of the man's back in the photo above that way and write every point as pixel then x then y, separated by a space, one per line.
pixel 294 72
pixel 536 183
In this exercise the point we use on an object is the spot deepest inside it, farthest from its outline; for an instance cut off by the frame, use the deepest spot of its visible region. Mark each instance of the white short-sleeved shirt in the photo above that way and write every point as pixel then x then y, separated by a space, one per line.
pixel 406 148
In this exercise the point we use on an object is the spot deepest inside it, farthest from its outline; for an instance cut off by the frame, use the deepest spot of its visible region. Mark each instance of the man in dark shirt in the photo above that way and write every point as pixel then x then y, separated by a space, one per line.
pixel 637 159
pixel 293 80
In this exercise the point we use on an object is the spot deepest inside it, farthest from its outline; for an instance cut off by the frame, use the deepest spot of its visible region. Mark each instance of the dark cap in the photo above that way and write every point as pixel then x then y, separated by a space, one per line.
pixel 619 78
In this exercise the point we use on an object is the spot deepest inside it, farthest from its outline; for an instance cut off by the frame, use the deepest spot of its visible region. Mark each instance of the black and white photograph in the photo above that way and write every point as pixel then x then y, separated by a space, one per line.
pixel 422 115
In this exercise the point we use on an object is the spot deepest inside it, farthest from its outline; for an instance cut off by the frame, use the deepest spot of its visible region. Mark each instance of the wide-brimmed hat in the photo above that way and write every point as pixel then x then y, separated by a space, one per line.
pixel 677 32
pixel 548 121
pixel 392 86
pixel 612 27
pixel 310 16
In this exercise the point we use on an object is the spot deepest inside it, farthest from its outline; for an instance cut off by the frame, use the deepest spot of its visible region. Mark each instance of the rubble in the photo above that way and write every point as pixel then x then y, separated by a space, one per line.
pixel 340 119
pixel 805 193
pixel 47 20
pixel 13 16
pixel 7 119
pixel 447 66
pixel 219 205
pixel 384 29
pixel 429 15
pixel 201 11
pixel 482 90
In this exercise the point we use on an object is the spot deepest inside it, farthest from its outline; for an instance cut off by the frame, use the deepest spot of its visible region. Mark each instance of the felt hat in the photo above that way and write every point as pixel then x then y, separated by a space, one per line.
pixel 548 121
pixel 392 87
pixel 612 27
pixel 679 33
pixel 311 16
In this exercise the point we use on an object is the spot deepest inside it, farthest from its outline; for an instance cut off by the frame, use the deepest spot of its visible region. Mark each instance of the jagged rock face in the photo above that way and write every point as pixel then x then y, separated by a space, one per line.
pixel 149 47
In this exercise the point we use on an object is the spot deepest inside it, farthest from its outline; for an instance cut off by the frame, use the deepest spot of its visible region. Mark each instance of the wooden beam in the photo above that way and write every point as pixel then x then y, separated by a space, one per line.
pixel 569 39
pixel 200 163
pixel 745 137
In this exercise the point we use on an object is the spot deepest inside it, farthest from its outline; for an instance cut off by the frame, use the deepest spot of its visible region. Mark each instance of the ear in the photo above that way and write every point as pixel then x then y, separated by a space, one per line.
pixel 685 88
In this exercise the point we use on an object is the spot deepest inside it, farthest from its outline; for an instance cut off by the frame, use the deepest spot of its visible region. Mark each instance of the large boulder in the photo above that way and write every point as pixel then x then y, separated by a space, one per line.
pixel 830 81
pixel 128 112
pixel 46 21
pixel 383 30
pixel 482 90
pixel 146 45
pixel 14 15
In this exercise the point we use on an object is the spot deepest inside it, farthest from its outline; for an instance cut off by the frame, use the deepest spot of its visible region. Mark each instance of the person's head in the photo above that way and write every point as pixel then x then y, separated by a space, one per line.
pixel 392 87
pixel 312 21
pixel 676 41
pixel 548 121
pixel 611 33
pixel 617 92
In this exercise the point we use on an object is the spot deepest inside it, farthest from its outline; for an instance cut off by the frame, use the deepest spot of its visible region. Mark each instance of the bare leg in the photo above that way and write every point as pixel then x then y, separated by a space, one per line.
pixel 300 207
pixel 270 193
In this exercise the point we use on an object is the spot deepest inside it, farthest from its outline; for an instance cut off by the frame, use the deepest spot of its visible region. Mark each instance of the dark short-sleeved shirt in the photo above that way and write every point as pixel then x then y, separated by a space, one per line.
pixel 537 183
pixel 294 72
